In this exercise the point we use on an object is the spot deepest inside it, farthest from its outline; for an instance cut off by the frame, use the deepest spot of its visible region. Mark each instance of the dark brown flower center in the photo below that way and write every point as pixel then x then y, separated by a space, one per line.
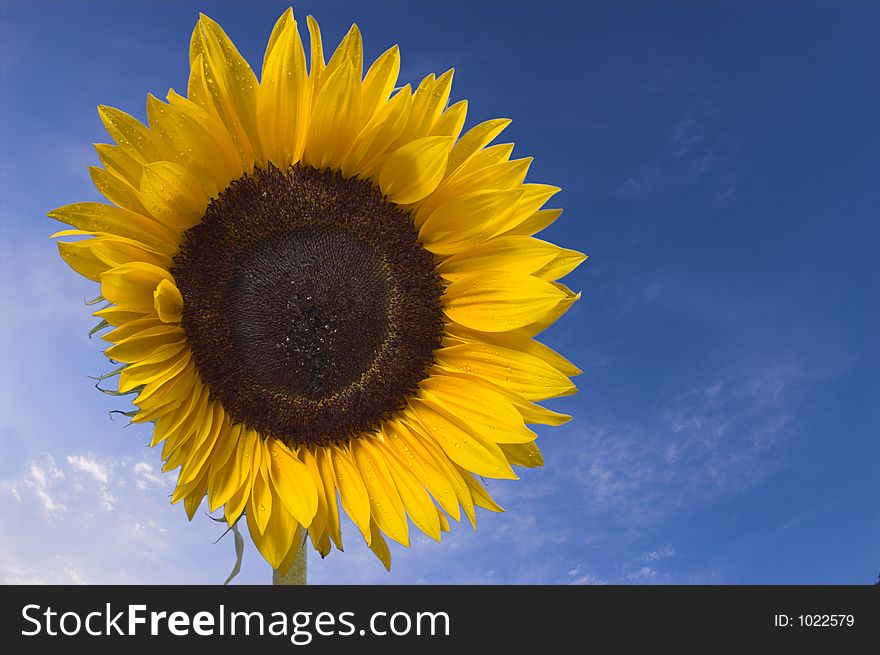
pixel 311 308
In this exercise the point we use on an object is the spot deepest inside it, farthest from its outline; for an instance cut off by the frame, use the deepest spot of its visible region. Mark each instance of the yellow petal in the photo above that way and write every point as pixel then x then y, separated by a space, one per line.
pixel 480 161
pixel 295 545
pixel 414 170
pixel 131 135
pixel 98 217
pixel 226 443
pixel 195 496
pixel 230 85
pixel 141 374
pixel 293 482
pixel 350 52
pixel 281 533
pixel 534 196
pixel 324 462
pixel 386 507
pixel 416 500
pixel 239 82
pixel 561 265
pixel 536 222
pixel 189 140
pixel 335 119
pixel 499 175
pixel 479 493
pixel 168 302
pixel 145 343
pixel 178 428
pixel 352 492
pixel 415 457
pixel 520 342
pixel 246 458
pixel 380 82
pixel 261 499
pixel 197 88
pixel 568 299
pixel 161 398
pixel 493 176
pixel 468 220
pixel 115 251
pixel 500 301
pixel 92 257
pixel 429 101
pixel 117 190
pixel 316 60
pixel 485 412
pixel 474 140
pixel 178 441
pixel 377 544
pixel 206 438
pixel 452 120
pixel 118 162
pixel 172 425
pixel 515 254
pixel 284 98
pixel 163 354
pixel 176 448
pixel 318 526
pixel 131 285
pixel 524 374
pixel 173 195
pixel 133 328
pixel 281 25
pixel 523 454
pixel 225 472
pixel 371 146
pixel 182 491
pixel 459 443
pixel 322 543
pixel 116 316
pixel 443 463
pixel 536 415
pixel 502 175
pixel 79 257
pixel 188 122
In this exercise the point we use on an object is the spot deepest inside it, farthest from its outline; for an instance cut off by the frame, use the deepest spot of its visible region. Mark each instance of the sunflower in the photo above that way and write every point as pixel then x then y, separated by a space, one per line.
pixel 316 286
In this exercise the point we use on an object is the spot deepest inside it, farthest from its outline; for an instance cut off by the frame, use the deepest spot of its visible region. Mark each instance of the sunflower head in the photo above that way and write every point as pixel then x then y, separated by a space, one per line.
pixel 322 293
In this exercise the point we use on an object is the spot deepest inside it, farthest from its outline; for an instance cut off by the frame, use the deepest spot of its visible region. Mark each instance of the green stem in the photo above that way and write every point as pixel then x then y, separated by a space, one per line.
pixel 296 575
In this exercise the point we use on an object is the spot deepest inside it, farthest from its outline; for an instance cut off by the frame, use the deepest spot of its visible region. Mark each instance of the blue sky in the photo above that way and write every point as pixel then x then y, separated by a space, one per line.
pixel 719 163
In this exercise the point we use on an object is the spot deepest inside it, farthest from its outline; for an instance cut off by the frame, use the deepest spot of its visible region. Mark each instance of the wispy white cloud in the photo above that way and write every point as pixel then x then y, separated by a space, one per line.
pixel 690 144
pixel 643 574
pixel 705 441
pixel 90 466
pixel 657 555
pixel 107 499
pixel 58 570
pixel 85 520
pixel 696 444
pixel 146 475
pixel 38 482
pixel 578 577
